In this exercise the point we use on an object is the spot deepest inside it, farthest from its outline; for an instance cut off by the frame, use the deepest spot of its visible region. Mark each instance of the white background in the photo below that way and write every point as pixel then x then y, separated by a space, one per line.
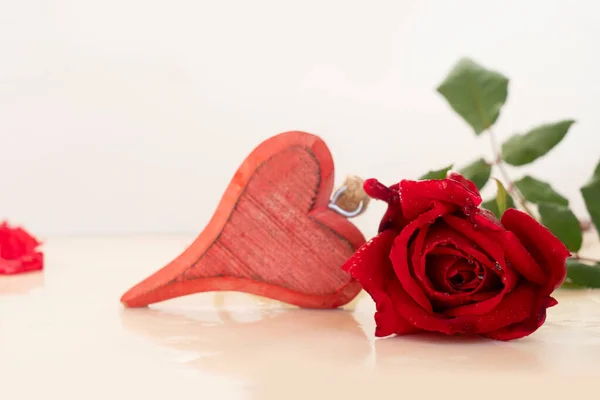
pixel 127 116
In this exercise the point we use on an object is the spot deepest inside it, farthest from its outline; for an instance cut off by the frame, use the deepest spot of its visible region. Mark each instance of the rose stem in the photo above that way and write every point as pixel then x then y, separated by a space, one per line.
pixel 512 189
pixel 578 257
pixel 585 225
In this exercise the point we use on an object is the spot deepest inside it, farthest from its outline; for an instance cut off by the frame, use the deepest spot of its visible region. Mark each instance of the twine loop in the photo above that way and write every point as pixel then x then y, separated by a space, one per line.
pixel 350 199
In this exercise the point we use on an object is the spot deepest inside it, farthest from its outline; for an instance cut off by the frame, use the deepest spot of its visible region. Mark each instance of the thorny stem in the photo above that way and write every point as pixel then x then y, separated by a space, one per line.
pixel 511 188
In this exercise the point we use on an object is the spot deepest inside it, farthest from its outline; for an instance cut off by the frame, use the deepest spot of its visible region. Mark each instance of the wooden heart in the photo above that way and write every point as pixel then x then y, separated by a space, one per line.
pixel 271 235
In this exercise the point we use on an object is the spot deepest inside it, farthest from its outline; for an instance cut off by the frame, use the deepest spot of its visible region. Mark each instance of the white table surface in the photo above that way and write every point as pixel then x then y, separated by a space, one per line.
pixel 64 335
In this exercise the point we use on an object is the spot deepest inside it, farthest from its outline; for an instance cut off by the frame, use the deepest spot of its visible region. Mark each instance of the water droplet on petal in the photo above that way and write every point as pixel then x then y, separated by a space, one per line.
pixel 497 266
pixel 480 277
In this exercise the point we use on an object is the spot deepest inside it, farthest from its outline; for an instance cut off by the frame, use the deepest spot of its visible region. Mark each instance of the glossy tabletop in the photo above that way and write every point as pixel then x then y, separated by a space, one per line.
pixel 64 335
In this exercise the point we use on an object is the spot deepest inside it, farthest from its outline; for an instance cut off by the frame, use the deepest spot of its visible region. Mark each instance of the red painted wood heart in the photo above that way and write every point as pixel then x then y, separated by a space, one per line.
pixel 272 234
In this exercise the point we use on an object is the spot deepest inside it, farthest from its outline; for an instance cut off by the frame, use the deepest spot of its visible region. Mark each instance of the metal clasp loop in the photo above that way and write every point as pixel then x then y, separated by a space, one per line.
pixel 348 214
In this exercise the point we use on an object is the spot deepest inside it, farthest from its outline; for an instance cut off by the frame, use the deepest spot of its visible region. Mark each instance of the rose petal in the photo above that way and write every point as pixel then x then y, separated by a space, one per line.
pixel 441 233
pixel 15 242
pixel 426 266
pixel 451 301
pixel 27 263
pixel 466 271
pixel 491 284
pixel 386 321
pixel 441 250
pixel 399 254
pixel 437 272
pixel 455 176
pixel 519 329
pixel 521 260
pixel 418 261
pixel 516 307
pixel 377 190
pixel 18 251
pixel 509 279
pixel 485 219
pixel 416 196
pixel 440 294
pixel 28 242
pixel 370 265
pixel 482 238
pixel 543 246
pixel 550 302
pixel 393 217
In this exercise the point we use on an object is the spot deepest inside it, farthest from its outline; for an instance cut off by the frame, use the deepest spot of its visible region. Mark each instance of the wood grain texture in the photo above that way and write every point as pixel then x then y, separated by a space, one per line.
pixel 272 234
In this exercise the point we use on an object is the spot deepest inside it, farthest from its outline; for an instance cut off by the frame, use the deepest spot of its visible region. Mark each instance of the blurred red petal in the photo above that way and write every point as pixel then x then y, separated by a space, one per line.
pixel 18 251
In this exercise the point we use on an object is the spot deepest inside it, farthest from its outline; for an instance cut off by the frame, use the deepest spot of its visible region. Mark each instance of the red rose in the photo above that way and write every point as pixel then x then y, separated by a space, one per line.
pixel 18 251
pixel 440 263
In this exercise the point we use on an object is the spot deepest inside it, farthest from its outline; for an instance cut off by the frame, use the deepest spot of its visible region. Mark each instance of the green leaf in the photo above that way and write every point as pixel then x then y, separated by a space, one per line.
pixel 591 195
pixel 501 197
pixel 562 223
pixel 437 174
pixel 492 205
pixel 477 172
pixel 477 94
pixel 524 149
pixel 597 171
pixel 582 274
pixel 536 191
pixel 570 285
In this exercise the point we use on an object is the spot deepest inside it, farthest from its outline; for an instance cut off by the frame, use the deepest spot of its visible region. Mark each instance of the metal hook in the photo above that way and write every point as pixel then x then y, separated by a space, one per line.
pixel 348 214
